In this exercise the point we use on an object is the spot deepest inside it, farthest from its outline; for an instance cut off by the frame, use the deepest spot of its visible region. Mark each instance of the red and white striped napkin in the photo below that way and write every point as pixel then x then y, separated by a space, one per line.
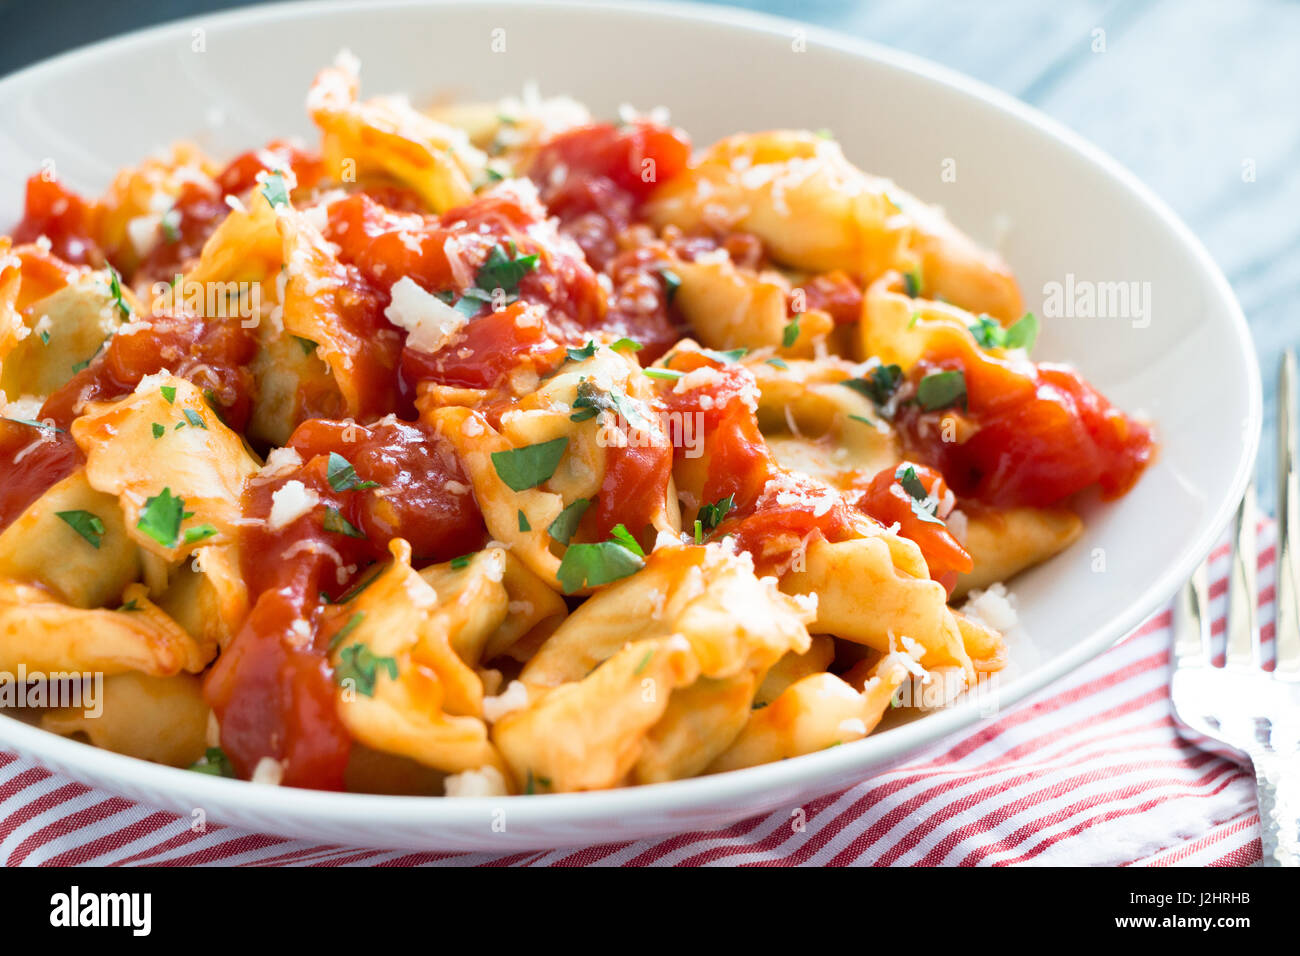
pixel 1088 772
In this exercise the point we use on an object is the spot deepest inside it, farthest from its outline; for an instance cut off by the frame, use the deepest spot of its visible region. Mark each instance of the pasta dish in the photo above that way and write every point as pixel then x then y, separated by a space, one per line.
pixel 492 449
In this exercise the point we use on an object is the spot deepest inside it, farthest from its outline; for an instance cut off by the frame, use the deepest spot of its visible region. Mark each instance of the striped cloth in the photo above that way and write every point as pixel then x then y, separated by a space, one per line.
pixel 1088 772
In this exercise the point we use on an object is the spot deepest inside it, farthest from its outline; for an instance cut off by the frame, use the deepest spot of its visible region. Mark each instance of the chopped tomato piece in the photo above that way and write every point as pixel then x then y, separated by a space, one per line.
pixel 63 217
pixel 889 502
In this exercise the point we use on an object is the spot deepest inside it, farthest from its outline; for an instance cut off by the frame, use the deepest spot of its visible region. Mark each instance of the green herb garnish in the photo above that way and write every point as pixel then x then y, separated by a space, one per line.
pixel 591 565
pixel 566 522
pixel 85 523
pixel 879 384
pixel 942 390
pixel 711 515
pixel 336 523
pixel 214 762
pixel 343 477
pixel 790 335
pixel 672 282
pixel 528 467
pixel 274 189
pixel 358 664
pixel 161 518
pixel 200 532
pixel 349 626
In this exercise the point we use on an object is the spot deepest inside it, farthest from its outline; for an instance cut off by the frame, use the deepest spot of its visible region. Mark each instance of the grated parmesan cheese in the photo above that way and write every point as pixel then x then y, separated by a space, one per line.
pixel 290 502
pixel 483 782
pixel 514 697
pixel 268 771
pixel 432 323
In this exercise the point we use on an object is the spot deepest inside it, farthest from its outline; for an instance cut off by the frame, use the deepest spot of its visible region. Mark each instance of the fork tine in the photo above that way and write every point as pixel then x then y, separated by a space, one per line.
pixel 1192 621
pixel 1287 633
pixel 1243 596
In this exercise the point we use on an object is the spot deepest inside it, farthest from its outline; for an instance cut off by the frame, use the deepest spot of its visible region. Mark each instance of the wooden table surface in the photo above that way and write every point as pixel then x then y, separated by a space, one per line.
pixel 1200 98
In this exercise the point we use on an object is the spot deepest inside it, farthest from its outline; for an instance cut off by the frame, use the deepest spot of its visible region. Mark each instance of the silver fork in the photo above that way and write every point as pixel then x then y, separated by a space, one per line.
pixel 1240 710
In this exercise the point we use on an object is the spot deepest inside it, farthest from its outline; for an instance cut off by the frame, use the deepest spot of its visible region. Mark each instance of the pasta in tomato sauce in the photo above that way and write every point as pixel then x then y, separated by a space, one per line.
pixel 495 449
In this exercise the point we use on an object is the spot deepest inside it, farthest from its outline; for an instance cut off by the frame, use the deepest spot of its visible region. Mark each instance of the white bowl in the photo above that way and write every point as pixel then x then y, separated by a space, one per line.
pixel 1061 206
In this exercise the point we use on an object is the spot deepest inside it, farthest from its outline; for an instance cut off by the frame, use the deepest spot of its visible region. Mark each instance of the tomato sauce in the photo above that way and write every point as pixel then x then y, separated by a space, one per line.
pixel 834 293
pixel 596 177
pixel 274 696
pixel 213 354
pixel 273 688
pixel 43 274
pixel 773 512
pixel 444 255
pixel 200 207
pixel 888 502
pixel 63 217
pixel 1040 433
pixel 32 460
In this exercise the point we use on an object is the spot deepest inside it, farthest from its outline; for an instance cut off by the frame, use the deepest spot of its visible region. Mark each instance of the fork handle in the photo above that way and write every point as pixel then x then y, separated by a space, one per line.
pixel 1277 781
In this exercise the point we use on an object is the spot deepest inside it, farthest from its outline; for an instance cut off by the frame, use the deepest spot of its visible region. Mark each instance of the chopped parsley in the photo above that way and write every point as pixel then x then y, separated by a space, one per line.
pixel 523 522
pixel 343 477
pixel 85 363
pixel 591 565
pixel 115 292
pixel 200 532
pixel 336 523
pixel 169 393
pixel 626 538
pixel 158 430
pixel 668 374
pixel 214 762
pixel 195 419
pixel 358 664
pixel 275 191
pixel 528 467
pixel 879 384
pixel 923 506
pixel 45 426
pixel 672 282
pixel 778 363
pixel 592 400
pixel 912 282
pixel 1021 334
pixel 504 268
pixel 161 518
pixel 645 661
pixel 359 588
pixel 85 523
pixel 632 345
pixel 791 333
pixel 566 523
pixel 463 561
pixel 171 225
pixel 586 352
pixel 349 626
pixel 942 390
pixel 731 355
pixel 711 515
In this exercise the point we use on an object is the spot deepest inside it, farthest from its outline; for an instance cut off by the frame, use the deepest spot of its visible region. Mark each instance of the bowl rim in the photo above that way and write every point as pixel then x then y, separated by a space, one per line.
pixel 836 763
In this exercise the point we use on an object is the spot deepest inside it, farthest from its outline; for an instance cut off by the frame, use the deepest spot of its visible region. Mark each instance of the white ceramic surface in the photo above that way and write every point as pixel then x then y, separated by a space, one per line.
pixel 1058 205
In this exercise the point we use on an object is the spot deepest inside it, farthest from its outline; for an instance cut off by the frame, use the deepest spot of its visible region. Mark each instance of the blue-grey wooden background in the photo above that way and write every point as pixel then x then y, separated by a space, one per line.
pixel 1201 98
